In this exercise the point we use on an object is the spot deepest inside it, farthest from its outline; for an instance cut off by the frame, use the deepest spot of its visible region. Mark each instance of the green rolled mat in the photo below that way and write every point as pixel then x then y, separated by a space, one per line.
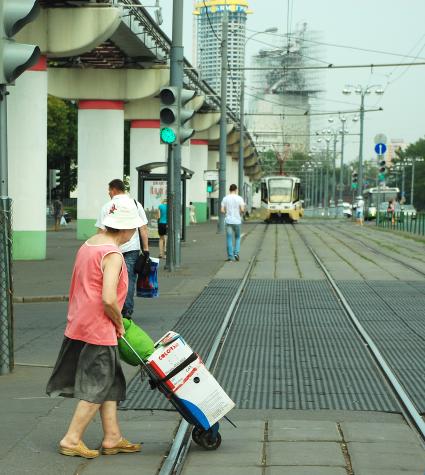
pixel 138 339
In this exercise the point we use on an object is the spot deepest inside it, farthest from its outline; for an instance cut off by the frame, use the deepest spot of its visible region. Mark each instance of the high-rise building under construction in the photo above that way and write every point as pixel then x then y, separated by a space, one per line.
pixel 209 14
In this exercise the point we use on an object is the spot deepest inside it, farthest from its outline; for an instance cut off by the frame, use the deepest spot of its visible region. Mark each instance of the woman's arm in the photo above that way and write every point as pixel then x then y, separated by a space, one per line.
pixel 112 265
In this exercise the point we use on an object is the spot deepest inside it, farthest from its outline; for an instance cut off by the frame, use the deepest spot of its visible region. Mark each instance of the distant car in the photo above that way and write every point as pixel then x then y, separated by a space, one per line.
pixel 348 212
pixel 409 210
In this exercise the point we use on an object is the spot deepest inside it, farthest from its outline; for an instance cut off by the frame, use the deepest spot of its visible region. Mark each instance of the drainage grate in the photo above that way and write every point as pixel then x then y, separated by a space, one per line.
pixel 291 346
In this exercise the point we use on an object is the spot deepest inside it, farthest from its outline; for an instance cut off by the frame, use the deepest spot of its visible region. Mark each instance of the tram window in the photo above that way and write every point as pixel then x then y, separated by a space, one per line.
pixel 280 190
pixel 264 196
pixel 296 196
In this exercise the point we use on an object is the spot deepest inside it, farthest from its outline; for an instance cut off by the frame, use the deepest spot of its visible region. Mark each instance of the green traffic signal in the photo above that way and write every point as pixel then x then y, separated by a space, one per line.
pixel 167 135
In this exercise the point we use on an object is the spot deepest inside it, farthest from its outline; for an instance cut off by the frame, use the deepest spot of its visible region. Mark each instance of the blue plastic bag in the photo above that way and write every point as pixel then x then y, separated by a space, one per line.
pixel 147 285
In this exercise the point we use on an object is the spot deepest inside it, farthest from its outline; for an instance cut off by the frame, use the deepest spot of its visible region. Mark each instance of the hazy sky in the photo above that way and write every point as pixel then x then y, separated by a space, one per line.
pixel 395 26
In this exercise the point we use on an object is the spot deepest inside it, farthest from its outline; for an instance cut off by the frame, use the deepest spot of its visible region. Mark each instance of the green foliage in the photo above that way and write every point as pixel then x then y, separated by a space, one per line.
pixel 62 143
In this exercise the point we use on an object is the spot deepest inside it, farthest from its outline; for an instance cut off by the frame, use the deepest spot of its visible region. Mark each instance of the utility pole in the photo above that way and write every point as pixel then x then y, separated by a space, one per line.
pixel 341 173
pixel 223 122
pixel 360 187
pixel 334 171
pixel 176 79
pixel 242 136
pixel 412 188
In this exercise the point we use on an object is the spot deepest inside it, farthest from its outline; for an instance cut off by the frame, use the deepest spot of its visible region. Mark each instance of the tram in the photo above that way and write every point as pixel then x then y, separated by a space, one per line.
pixel 280 198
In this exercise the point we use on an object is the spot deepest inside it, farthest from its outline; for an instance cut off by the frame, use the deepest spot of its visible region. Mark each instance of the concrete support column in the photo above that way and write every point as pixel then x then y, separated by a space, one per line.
pixel 232 172
pixel 27 155
pixel 197 186
pixel 145 147
pixel 100 158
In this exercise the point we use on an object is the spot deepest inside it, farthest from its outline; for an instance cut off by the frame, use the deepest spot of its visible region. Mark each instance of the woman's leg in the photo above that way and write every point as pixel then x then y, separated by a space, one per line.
pixel 111 429
pixel 161 246
pixel 83 415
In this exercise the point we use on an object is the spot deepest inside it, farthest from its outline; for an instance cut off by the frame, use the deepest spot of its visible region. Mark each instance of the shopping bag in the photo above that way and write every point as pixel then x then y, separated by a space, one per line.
pixel 141 342
pixel 147 283
pixel 63 221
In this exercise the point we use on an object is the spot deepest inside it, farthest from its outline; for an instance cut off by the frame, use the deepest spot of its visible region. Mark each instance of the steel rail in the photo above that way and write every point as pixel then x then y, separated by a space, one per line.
pixel 173 464
pixel 408 408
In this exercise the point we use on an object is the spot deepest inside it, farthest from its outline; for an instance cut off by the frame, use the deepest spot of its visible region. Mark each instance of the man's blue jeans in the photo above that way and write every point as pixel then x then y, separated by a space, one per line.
pixel 130 258
pixel 233 230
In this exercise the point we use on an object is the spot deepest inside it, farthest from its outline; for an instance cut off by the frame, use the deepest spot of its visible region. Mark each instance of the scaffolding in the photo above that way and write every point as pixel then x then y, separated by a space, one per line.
pixel 279 98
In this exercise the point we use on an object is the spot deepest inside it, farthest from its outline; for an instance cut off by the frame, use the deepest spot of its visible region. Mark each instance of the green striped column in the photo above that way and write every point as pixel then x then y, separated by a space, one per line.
pixel 86 228
pixel 29 245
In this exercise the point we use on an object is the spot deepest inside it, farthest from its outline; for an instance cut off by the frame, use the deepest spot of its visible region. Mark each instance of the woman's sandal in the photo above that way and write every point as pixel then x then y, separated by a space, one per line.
pixel 123 446
pixel 81 450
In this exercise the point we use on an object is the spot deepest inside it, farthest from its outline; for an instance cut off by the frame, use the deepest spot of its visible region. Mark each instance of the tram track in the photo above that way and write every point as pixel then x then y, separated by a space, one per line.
pixel 174 462
pixel 407 407
pixel 383 254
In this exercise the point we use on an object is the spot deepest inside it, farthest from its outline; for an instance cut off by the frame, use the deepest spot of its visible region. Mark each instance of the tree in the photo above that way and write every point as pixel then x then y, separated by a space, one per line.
pixel 62 142
pixel 414 151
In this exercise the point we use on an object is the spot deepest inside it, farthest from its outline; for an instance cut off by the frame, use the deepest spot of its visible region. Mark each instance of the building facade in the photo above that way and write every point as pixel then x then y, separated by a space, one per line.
pixel 209 21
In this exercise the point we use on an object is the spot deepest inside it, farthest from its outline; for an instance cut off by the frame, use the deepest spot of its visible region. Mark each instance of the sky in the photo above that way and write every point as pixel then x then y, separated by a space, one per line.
pixel 395 26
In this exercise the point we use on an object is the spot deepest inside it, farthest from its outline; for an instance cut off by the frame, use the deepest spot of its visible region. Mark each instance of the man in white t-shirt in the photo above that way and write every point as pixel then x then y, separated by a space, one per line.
pixel 233 206
pixel 130 249
pixel 360 211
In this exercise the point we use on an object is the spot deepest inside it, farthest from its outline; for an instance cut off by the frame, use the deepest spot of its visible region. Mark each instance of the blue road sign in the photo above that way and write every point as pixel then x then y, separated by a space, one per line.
pixel 380 148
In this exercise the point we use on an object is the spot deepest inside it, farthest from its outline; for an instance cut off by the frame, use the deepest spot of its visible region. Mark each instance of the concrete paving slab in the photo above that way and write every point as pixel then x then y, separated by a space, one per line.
pixel 232 453
pixel 309 470
pixel 297 430
pixel 305 454
pixel 386 455
pixel 217 470
pixel 378 432
pixel 386 471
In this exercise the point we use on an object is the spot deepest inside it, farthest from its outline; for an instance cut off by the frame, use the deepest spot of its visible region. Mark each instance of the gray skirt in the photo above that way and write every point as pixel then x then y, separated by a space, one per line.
pixel 92 373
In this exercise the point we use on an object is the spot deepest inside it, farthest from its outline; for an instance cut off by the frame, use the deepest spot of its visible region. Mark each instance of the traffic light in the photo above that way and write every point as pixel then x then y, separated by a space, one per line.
pixel 173 115
pixel 381 169
pixel 54 178
pixel 354 180
pixel 15 57
pixel 210 186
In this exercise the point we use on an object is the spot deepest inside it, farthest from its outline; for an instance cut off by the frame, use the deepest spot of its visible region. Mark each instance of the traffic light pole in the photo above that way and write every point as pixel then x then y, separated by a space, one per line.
pixel 223 123
pixel 170 262
pixel 360 186
pixel 176 79
pixel 6 291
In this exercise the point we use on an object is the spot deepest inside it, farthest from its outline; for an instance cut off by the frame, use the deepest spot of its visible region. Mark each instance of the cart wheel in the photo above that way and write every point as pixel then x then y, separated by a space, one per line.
pixel 196 435
pixel 209 442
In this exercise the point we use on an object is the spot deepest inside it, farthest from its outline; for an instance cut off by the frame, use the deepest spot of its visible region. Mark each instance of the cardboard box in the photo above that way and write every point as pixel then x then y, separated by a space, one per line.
pixel 194 388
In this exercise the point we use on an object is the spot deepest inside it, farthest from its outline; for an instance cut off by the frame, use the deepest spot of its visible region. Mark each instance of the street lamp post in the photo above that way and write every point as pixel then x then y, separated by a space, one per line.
pixel 362 92
pixel 242 113
pixel 341 174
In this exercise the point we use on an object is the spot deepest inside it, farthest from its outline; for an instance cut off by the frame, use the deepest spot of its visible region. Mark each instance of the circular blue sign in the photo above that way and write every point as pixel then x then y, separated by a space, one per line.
pixel 380 148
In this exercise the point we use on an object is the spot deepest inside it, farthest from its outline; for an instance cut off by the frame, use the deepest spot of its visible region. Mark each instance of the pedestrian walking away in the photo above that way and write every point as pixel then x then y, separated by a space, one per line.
pixel 162 228
pixel 360 211
pixel 192 213
pixel 130 249
pixel 57 208
pixel 233 207
pixel 88 366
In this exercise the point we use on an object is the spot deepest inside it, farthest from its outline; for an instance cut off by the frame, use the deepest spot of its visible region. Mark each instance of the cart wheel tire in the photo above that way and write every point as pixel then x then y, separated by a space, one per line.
pixel 208 442
pixel 196 435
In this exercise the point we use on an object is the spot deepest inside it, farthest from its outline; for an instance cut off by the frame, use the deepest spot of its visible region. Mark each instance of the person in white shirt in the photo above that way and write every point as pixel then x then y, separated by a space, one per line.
pixel 360 211
pixel 233 207
pixel 130 249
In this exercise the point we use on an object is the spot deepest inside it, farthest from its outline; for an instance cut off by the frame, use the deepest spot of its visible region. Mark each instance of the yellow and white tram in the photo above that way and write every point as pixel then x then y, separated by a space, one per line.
pixel 280 198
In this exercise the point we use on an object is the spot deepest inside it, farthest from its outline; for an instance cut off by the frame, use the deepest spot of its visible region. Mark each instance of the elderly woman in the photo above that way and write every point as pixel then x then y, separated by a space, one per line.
pixel 88 366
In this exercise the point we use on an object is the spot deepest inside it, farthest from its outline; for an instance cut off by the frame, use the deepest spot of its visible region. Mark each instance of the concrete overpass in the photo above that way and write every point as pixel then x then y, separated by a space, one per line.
pixel 113 60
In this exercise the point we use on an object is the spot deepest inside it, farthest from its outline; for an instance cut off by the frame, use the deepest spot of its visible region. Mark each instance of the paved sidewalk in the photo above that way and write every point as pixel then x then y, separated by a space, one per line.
pixel 30 422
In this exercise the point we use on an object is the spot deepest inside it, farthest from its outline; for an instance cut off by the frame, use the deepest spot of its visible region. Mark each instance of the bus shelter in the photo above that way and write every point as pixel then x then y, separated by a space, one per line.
pixel 152 181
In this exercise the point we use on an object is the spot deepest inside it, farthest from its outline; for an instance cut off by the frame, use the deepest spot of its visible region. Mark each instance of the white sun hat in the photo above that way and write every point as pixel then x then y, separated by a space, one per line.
pixel 122 214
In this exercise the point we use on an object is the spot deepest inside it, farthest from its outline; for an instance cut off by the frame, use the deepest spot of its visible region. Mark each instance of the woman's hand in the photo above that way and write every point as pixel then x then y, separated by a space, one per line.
pixel 120 330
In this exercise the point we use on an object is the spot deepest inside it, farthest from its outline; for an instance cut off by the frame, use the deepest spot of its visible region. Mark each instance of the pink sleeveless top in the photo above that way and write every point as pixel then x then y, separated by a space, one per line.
pixel 87 320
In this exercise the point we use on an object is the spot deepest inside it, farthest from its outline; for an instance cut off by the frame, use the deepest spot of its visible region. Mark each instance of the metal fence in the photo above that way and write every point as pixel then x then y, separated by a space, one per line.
pixel 6 308
pixel 414 224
